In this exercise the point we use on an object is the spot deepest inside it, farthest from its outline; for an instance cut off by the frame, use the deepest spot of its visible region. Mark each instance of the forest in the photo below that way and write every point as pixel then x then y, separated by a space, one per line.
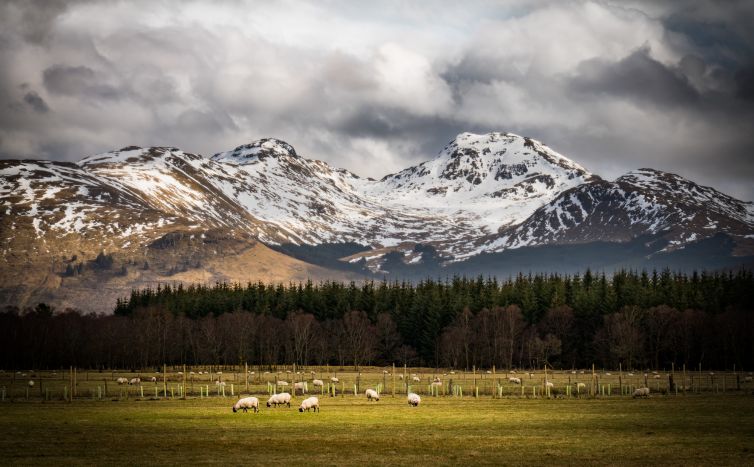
pixel 635 319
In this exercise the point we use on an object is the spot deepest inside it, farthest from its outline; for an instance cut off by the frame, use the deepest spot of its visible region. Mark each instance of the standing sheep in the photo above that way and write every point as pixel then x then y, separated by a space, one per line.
pixel 372 394
pixel 413 399
pixel 122 381
pixel 641 392
pixel 135 381
pixel 415 379
pixel 246 403
pixel 514 380
pixel 279 399
pixel 302 386
pixel 310 403
pixel 318 383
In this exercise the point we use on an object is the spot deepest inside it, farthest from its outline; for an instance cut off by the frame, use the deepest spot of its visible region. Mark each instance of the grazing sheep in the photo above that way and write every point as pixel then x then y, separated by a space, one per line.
pixel 219 383
pixel 580 386
pixel 122 380
pixel 191 373
pixel 135 381
pixel 318 383
pixel 452 372
pixel 279 399
pixel 549 384
pixel 514 380
pixel 488 372
pixel 656 376
pixel 608 374
pixel 415 379
pixel 282 383
pixel 310 403
pixel 31 383
pixel 334 379
pixel 641 392
pixel 413 399
pixel 573 372
pixel 372 394
pixel 246 403
pixel 153 379
pixel 630 374
pixel 400 377
pixel 302 386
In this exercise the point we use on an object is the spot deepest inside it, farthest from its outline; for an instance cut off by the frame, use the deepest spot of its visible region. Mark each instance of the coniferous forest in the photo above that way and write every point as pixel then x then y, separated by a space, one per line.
pixel 638 320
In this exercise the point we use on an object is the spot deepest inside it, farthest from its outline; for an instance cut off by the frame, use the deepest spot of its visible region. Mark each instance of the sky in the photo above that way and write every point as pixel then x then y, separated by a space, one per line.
pixel 375 87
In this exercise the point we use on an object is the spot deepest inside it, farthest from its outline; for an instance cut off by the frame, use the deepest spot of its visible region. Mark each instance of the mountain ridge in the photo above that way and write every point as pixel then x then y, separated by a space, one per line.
pixel 480 195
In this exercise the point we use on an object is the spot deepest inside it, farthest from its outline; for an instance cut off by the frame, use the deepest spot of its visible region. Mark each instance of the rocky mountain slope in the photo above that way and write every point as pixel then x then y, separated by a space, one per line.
pixel 138 216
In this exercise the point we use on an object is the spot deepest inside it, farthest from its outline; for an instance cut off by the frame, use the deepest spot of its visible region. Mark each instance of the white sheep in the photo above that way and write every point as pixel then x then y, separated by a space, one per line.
pixel 400 377
pixel 31 383
pixel 302 386
pixel 514 380
pixel 549 384
pixel 310 403
pixel 279 399
pixel 608 374
pixel 573 372
pixel 135 381
pixel 630 374
pixel 641 392
pixel 413 399
pixel 318 383
pixel 580 386
pixel 153 379
pixel 372 394
pixel 334 379
pixel 219 383
pixel 415 379
pixel 282 383
pixel 122 380
pixel 246 403
pixel 656 376
pixel 747 379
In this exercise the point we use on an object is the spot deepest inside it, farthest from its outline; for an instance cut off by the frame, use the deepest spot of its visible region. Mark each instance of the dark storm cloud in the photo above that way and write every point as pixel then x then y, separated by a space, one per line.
pixel 638 77
pixel 35 102
pixel 78 81
pixel 614 86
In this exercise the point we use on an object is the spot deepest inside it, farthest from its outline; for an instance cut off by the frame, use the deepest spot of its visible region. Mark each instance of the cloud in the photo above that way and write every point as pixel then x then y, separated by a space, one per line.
pixel 615 86
pixel 35 102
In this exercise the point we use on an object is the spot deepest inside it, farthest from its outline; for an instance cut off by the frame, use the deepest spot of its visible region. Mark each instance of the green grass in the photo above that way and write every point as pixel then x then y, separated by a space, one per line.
pixel 692 430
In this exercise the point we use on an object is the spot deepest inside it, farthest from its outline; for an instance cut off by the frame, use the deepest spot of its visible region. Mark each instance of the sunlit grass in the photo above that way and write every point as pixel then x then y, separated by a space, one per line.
pixel 694 430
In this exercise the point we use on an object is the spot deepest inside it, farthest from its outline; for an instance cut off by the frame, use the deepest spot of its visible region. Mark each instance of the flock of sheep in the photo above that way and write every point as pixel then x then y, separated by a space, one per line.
pixel 310 403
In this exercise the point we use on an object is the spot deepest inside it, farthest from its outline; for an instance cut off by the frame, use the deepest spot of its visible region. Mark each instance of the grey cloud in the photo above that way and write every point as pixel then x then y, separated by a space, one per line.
pixel 36 102
pixel 79 81
pixel 637 76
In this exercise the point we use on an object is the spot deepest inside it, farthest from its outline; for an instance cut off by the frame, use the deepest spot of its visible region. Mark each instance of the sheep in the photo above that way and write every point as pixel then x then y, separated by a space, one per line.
pixel 313 372
pixel 31 383
pixel 318 383
pixel 310 403
pixel 747 379
pixel 415 379
pixel 608 374
pixel 279 399
pixel 580 386
pixel 400 377
pixel 135 381
pixel 246 403
pixel 630 374
pixel 488 372
pixel 153 379
pixel 122 380
pixel 413 399
pixel 656 376
pixel 302 386
pixel 573 372
pixel 549 384
pixel 452 372
pixel 219 383
pixel 514 380
pixel 641 392
pixel 282 383
pixel 372 394
pixel 334 379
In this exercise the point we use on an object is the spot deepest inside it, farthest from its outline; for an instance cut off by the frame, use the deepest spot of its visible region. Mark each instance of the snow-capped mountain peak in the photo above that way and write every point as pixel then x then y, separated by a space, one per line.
pixel 256 151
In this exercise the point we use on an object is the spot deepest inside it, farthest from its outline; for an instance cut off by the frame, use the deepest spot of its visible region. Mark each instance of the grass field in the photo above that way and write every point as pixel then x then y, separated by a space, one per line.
pixel 675 430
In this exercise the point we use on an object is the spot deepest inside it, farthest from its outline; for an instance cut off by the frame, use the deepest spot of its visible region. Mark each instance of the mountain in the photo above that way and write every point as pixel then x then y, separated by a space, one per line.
pixel 83 234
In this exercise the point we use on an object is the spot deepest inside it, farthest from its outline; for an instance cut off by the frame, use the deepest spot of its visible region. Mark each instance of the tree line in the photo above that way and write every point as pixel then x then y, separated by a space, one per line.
pixel 636 319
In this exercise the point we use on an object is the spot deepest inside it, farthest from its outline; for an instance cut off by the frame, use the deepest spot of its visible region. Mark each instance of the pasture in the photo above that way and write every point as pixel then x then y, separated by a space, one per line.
pixel 129 425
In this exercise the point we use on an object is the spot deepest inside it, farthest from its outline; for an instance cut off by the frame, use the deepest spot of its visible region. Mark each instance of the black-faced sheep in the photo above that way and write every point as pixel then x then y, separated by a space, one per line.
pixel 310 403
pixel 372 394
pixel 246 403
pixel 413 399
pixel 641 392
pixel 279 399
